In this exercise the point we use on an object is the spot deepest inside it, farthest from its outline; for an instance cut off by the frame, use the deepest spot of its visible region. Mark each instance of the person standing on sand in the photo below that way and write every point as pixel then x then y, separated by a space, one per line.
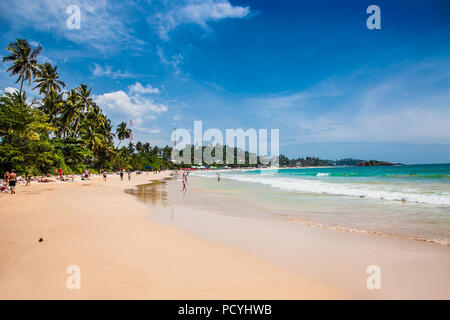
pixel 184 185
pixel 121 175
pixel 104 175
pixel 129 175
pixel 28 178
pixel 218 177
pixel 6 177
pixel 12 181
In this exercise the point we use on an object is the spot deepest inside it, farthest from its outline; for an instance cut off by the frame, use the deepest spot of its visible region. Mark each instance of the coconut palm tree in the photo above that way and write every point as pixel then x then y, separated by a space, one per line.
pixel 84 95
pixel 47 79
pixel 24 61
pixel 93 138
pixel 52 105
pixel 146 148
pixel 131 148
pixel 72 114
pixel 139 147
pixel 16 99
pixel 167 153
pixel 122 132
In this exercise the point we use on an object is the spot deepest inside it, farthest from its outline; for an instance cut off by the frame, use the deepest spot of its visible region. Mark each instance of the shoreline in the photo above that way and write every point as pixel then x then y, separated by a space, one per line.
pixel 411 269
pixel 122 254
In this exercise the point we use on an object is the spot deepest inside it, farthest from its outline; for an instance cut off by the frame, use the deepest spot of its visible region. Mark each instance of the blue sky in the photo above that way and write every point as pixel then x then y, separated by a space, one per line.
pixel 309 68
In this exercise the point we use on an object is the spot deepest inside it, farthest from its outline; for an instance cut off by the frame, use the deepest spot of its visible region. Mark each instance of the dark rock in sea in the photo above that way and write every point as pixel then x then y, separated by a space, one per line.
pixel 371 163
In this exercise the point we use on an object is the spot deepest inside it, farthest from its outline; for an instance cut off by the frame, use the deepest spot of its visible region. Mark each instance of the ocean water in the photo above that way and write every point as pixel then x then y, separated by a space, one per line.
pixel 410 202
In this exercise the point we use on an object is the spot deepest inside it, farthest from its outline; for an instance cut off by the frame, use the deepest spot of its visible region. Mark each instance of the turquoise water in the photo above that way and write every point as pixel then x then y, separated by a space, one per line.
pixel 421 172
pixel 404 201
pixel 429 184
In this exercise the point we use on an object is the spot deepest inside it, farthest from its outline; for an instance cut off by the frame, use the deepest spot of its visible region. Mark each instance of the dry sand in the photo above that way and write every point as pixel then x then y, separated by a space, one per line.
pixel 121 253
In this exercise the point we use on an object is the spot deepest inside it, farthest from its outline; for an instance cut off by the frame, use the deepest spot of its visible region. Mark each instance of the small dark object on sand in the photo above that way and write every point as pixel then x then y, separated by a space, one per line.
pixel 40 239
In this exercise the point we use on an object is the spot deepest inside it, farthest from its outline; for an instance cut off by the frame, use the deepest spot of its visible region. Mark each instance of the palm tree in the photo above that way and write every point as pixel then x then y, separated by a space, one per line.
pixel 156 151
pixel 122 132
pixel 146 148
pixel 16 99
pixel 167 153
pixel 24 61
pixel 84 95
pixel 131 148
pixel 52 105
pixel 93 138
pixel 47 79
pixel 72 114
pixel 139 147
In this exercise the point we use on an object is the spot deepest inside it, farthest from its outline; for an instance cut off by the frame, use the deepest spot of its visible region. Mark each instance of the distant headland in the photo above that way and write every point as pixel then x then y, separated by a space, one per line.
pixel 372 163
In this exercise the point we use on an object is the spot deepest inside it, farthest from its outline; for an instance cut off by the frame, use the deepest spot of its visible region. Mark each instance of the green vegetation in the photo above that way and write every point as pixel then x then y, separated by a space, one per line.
pixel 61 129
pixel 304 162
pixel 316 162
pixel 348 162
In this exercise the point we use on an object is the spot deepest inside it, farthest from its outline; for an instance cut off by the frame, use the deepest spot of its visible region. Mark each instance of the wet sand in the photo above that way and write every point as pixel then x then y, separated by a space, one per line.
pixel 409 269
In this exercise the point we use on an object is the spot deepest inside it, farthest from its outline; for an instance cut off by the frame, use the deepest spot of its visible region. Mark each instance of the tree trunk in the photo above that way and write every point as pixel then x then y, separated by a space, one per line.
pixel 21 85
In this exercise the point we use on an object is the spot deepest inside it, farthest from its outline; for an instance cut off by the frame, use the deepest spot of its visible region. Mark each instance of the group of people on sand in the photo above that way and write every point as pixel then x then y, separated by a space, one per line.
pixel 9 182
pixel 122 172
pixel 184 179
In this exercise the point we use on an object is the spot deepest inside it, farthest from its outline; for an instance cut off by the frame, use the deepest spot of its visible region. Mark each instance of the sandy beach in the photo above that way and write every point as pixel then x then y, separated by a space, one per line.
pixel 122 254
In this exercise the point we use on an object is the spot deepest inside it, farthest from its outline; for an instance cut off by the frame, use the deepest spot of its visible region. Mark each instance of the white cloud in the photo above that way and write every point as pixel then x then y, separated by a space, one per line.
pixel 139 88
pixel 407 104
pixel 44 59
pixel 410 125
pixel 132 105
pixel 174 61
pixel 34 43
pixel 195 11
pixel 138 127
pixel 148 130
pixel 10 90
pixel 103 26
pixel 108 71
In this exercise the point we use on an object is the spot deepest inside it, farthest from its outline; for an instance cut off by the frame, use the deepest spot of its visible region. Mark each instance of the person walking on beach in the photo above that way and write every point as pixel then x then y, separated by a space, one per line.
pixel 129 175
pixel 104 175
pixel 12 181
pixel 218 177
pixel 184 180
pixel 121 175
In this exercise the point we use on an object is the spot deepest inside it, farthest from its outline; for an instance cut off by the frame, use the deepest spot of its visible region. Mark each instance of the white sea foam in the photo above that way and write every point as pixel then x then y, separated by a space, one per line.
pixel 322 174
pixel 347 189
